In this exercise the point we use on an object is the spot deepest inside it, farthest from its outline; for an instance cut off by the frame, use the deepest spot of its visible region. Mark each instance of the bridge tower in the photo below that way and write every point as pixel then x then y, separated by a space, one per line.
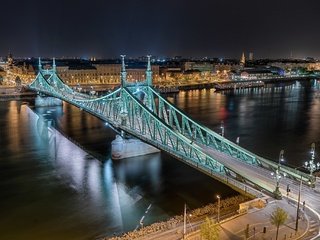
pixel 43 100
pixel 39 65
pixel 54 67
pixel 149 72
pixel 124 146
pixel 123 72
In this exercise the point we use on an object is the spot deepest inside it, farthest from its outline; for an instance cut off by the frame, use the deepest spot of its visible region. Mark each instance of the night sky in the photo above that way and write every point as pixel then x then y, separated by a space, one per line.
pixel 199 28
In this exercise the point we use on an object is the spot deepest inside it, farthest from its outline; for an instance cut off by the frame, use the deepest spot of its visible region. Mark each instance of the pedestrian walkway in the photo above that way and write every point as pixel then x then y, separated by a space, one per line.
pixel 259 225
pixel 261 228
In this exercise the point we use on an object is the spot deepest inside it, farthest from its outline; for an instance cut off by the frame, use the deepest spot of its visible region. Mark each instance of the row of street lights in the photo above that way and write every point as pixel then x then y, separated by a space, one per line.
pixel 310 165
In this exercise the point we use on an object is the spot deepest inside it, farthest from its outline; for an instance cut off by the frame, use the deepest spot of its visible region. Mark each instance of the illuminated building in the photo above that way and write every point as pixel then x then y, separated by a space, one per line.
pixel 101 74
pixel 90 74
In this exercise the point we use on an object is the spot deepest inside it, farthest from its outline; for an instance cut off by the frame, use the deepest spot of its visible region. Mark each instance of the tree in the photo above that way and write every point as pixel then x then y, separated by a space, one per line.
pixel 209 230
pixel 278 218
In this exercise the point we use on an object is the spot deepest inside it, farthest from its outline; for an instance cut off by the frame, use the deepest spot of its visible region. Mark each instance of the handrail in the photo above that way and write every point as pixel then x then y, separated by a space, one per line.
pixel 291 171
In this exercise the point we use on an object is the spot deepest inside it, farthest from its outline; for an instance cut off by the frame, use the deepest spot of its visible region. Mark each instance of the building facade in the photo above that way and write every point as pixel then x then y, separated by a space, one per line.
pixel 95 74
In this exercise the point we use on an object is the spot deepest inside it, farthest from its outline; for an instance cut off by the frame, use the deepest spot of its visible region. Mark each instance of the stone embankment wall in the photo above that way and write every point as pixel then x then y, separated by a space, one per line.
pixel 196 214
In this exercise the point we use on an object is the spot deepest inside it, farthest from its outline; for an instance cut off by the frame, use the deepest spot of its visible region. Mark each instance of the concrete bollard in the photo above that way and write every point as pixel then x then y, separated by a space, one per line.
pixel 264 229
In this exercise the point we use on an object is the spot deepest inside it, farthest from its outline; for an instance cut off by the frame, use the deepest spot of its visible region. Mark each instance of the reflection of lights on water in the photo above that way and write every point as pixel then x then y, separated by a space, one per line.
pixel 154 168
pixel 94 179
pixel 110 186
pixel 70 165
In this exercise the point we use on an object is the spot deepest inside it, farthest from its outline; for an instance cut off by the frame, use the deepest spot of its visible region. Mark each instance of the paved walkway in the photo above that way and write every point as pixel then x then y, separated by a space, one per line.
pixel 258 219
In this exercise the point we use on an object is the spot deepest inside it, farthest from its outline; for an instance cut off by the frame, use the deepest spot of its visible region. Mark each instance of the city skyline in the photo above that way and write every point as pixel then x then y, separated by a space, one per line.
pixel 207 28
pixel 139 119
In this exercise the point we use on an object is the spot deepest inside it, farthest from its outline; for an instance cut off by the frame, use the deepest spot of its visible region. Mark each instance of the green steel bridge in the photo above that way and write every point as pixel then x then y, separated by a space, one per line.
pixel 136 109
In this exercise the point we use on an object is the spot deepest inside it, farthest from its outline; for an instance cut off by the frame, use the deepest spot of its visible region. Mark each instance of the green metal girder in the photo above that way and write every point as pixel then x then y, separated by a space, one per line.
pixel 159 122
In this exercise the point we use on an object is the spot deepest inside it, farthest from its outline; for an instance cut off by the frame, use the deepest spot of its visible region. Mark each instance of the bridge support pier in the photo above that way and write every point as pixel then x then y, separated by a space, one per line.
pixel 47 101
pixel 126 148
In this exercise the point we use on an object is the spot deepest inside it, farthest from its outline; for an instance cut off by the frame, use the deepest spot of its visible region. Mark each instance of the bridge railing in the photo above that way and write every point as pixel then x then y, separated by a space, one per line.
pixel 176 151
pixel 172 142
pixel 199 133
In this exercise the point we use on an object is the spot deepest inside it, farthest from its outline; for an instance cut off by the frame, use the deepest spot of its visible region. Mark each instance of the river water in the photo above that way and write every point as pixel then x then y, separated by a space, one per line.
pixel 63 185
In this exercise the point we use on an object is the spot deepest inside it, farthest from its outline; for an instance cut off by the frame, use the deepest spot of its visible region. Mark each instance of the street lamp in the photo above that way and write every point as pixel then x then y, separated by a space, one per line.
pixel 298 206
pixel 218 196
pixel 222 129
pixel 281 159
pixel 277 193
pixel 311 165
pixel 185 221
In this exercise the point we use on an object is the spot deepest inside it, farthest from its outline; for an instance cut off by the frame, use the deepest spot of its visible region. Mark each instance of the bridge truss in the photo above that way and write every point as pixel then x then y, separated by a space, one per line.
pixel 137 109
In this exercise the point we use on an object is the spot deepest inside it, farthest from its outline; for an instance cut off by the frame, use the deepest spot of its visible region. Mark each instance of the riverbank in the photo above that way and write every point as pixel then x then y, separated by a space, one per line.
pixel 229 206
pixel 8 93
pixel 17 96
pixel 238 85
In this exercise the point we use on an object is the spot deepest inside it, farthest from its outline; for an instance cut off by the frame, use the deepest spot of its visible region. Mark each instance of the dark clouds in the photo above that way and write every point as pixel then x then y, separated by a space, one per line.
pixel 169 27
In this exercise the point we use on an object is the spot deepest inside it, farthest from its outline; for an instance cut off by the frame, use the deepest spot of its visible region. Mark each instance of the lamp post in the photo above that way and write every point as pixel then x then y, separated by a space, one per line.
pixel 222 129
pixel 311 165
pixel 298 207
pixel 238 140
pixel 218 196
pixel 185 221
pixel 281 159
pixel 277 193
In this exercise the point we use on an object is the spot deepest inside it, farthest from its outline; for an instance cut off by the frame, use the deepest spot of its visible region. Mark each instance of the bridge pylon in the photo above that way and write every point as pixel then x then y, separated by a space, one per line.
pixel 39 65
pixel 54 67
pixel 123 72
pixel 149 72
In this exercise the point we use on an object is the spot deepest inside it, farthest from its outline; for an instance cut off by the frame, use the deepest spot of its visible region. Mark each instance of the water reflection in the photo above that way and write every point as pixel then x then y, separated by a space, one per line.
pixel 279 116
pixel 94 180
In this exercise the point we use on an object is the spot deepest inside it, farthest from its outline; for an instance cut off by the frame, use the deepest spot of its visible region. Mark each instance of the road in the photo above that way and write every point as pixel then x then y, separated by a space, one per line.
pixel 263 178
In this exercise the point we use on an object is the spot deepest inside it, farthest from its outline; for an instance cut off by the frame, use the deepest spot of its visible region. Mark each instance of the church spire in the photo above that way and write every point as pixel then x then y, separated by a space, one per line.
pixel 242 60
